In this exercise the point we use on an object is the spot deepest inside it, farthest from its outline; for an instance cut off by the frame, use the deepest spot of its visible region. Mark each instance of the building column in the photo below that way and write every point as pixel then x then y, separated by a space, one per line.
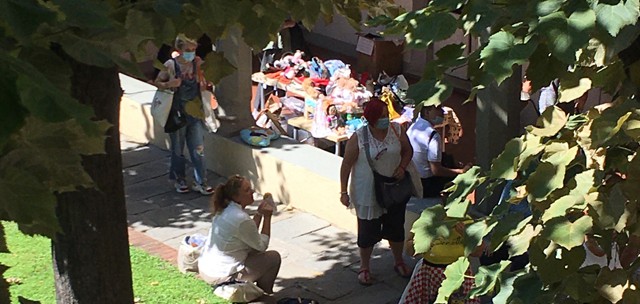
pixel 497 121
pixel 234 91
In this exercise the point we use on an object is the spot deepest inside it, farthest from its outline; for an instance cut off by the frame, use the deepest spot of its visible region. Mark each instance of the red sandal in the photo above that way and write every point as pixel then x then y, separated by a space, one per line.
pixel 364 277
pixel 402 270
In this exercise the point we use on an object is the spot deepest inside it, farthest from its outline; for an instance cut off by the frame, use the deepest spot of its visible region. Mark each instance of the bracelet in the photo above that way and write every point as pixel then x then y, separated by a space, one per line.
pixel 344 192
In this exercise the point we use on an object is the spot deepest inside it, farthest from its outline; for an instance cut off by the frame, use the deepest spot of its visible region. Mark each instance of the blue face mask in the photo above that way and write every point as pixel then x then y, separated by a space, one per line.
pixel 382 123
pixel 438 120
pixel 189 56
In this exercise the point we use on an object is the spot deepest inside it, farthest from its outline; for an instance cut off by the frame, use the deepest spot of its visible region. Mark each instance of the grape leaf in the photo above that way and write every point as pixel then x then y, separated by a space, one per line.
pixel 455 273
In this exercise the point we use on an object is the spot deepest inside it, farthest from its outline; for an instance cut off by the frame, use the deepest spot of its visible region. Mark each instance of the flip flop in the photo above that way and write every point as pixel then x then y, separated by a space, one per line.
pixel 364 277
pixel 402 270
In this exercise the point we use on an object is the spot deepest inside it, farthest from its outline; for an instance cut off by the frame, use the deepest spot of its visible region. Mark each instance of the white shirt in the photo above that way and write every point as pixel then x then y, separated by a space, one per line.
pixel 424 150
pixel 232 236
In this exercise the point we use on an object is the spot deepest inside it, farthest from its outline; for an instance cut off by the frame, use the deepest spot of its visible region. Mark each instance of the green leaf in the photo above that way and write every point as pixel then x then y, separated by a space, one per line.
pixel 554 263
pixel 487 277
pixel 612 208
pixel 568 94
pixel 503 52
pixel 560 206
pixel 430 27
pixel 90 52
pixel 519 243
pixel 475 232
pixel 454 278
pixel 511 224
pixel 89 15
pixel 13 112
pixel 632 129
pixel 560 157
pixel 50 65
pixel 431 225
pixel 547 7
pixel 217 67
pixel 505 166
pixel 532 147
pixel 544 68
pixel 477 16
pixel 611 284
pixel 507 291
pixel 429 92
pixel 566 35
pixel 465 183
pixel 614 17
pixel 23 17
pixel 566 233
pixel 169 8
pixel 549 123
pixel 37 202
pixel 545 180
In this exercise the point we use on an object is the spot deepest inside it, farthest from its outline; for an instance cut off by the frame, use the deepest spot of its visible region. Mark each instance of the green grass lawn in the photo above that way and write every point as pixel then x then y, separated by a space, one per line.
pixel 154 280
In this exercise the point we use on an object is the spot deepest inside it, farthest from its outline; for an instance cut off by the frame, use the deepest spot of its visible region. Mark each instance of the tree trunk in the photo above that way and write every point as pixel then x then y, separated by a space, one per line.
pixel 91 255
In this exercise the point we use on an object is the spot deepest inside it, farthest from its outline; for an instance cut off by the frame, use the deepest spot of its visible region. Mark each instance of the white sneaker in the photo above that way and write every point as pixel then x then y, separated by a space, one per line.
pixel 181 186
pixel 203 188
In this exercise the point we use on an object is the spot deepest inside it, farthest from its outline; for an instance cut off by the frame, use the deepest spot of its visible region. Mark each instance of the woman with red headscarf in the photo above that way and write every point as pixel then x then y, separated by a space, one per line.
pixel 390 152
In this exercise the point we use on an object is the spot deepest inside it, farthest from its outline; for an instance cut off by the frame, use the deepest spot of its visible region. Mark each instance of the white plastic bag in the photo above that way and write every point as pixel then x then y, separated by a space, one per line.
pixel 161 106
pixel 189 252
pixel 210 120
pixel 238 291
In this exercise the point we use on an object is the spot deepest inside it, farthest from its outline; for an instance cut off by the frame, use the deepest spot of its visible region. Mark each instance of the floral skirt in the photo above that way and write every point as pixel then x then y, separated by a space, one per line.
pixel 425 282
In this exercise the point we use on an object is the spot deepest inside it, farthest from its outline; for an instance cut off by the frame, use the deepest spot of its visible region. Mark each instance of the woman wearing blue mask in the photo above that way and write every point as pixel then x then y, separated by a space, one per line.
pixel 427 151
pixel 390 153
pixel 183 75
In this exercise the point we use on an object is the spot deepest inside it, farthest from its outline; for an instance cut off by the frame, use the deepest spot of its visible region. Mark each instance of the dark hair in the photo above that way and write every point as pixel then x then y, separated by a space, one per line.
pixel 374 109
pixel 224 193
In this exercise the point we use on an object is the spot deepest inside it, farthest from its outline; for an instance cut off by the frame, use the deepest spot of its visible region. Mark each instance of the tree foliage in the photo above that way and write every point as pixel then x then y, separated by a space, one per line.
pixel 44 131
pixel 579 173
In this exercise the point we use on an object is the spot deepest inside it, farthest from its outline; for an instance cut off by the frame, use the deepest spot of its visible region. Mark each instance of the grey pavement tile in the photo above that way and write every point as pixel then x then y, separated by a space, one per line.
pixel 297 225
pixel 326 238
pixel 148 188
pixel 144 171
pixel 297 292
pixel 126 145
pixel 178 216
pixel 376 293
pixel 333 284
pixel 172 198
pixel 141 155
pixel 138 207
pixel 167 233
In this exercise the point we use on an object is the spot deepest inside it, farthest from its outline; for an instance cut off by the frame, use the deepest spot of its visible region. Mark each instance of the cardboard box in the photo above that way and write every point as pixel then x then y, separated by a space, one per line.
pixel 377 54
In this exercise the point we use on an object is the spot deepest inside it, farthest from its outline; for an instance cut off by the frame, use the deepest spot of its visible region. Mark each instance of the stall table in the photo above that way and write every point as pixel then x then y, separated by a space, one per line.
pixel 305 124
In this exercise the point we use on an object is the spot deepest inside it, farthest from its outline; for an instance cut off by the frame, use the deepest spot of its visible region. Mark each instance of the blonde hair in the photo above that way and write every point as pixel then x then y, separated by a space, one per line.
pixel 225 192
pixel 182 41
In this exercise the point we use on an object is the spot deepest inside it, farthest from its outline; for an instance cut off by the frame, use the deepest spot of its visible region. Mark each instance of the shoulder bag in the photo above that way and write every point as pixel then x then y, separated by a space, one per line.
pixel 177 117
pixel 389 192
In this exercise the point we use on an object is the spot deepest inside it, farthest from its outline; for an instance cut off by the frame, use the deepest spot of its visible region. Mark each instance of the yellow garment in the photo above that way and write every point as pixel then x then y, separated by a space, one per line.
pixel 387 97
pixel 446 251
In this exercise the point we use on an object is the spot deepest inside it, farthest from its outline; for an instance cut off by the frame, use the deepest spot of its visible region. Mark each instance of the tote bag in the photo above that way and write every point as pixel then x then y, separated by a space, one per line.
pixel 161 106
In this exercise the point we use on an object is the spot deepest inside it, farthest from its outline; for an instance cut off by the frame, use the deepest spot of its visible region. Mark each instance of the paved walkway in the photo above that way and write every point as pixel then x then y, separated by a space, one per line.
pixel 320 261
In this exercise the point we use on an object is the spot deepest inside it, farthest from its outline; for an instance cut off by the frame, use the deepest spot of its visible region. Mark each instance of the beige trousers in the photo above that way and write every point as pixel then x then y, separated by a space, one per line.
pixel 260 267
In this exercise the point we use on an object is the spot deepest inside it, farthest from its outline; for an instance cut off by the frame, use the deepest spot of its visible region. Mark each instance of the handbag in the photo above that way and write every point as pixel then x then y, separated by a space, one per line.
pixel 389 192
pixel 238 291
pixel 176 120
pixel 161 106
